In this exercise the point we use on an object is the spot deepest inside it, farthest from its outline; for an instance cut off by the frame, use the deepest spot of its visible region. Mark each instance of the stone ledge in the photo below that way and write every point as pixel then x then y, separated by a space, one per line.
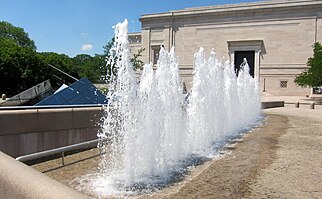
pixel 272 104
pixel 17 180
pixel 29 131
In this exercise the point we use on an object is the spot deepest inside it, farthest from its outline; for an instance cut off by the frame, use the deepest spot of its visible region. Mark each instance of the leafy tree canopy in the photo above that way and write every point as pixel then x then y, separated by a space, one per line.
pixel 88 66
pixel 110 60
pixel 60 61
pixel 135 60
pixel 107 48
pixel 313 75
pixel 20 67
pixel 17 34
pixel 63 63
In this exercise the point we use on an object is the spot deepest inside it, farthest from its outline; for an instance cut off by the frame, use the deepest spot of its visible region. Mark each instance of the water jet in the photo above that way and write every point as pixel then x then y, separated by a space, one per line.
pixel 155 134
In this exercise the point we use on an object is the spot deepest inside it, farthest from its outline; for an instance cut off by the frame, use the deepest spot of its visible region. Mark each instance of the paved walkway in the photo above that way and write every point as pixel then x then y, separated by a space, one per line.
pixel 296 171
pixel 286 99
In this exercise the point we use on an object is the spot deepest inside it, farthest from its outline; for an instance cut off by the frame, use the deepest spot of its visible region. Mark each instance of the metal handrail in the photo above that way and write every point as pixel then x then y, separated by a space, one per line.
pixel 50 106
pixel 61 150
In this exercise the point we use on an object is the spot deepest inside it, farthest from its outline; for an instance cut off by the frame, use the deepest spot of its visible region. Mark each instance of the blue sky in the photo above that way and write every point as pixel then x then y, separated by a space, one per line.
pixel 83 26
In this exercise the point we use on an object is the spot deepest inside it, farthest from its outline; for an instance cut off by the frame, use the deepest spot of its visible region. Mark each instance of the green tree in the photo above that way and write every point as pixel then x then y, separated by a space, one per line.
pixel 136 62
pixel 16 34
pixel 110 60
pixel 313 75
pixel 108 66
pixel 62 62
pixel 107 48
pixel 20 67
pixel 88 66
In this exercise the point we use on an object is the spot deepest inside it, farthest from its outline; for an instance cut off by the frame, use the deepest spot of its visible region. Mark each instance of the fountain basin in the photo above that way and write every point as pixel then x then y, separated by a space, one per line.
pixel 237 166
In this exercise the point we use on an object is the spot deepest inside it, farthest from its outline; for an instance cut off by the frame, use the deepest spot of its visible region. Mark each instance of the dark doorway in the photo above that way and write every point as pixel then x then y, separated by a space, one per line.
pixel 239 58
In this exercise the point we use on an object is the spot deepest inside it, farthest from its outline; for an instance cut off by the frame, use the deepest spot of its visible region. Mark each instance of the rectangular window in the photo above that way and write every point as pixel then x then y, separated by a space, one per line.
pixel 283 84
pixel 317 90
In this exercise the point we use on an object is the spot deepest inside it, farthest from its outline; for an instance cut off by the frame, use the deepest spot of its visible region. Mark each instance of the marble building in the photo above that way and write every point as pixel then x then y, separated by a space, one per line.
pixel 276 37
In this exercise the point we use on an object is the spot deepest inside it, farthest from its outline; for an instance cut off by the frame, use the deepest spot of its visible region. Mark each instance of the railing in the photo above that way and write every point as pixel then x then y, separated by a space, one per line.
pixel 50 107
pixel 61 150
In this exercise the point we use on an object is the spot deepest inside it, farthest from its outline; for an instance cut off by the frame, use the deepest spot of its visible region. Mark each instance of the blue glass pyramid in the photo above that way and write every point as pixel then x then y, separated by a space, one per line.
pixel 80 92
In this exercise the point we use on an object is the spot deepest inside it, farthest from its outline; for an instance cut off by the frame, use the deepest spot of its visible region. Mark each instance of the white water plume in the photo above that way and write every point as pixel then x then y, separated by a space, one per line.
pixel 153 130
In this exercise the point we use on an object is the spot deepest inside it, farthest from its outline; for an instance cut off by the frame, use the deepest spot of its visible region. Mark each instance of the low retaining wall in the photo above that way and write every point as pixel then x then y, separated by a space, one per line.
pixel 20 181
pixel 28 131
pixel 272 104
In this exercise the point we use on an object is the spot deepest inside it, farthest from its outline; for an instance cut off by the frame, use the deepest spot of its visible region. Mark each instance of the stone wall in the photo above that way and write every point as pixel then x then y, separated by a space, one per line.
pixel 280 32
pixel 29 131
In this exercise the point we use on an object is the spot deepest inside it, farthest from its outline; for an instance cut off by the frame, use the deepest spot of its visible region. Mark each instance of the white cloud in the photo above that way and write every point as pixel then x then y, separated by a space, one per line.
pixel 84 34
pixel 87 47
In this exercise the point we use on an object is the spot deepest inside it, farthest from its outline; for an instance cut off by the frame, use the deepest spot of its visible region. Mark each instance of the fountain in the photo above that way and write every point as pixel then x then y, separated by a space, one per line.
pixel 154 132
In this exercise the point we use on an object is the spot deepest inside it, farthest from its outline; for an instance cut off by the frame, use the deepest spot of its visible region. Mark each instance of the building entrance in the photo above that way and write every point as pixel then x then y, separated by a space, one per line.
pixel 249 55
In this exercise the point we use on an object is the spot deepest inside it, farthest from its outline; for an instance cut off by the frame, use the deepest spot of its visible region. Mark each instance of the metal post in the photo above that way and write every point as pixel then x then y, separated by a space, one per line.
pixel 264 90
pixel 297 104
pixel 312 105
pixel 62 158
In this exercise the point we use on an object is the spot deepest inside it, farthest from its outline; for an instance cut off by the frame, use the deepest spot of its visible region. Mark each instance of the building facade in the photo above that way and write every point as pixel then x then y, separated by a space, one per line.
pixel 276 37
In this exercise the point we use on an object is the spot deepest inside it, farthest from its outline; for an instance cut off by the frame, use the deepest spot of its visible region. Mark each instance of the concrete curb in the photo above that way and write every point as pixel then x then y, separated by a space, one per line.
pixel 18 180
pixel 272 104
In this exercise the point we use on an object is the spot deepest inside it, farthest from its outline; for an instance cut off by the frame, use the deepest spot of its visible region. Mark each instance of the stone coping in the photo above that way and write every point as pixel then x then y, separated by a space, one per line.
pixel 236 7
pixel 18 180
